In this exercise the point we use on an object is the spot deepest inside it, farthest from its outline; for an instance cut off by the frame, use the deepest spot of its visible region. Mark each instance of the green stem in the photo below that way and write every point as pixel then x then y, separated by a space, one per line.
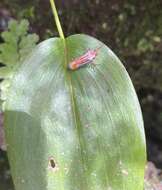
pixel 59 28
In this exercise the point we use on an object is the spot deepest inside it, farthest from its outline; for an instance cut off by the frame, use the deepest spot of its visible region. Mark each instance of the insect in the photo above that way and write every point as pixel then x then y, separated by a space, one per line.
pixel 85 59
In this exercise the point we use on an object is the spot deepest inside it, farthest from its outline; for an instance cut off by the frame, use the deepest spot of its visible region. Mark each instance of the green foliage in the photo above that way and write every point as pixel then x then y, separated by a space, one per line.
pixel 69 130
pixel 27 13
pixel 17 45
pixel 144 45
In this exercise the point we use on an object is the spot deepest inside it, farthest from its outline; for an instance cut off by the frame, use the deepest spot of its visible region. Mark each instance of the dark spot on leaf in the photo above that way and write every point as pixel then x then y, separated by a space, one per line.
pixel 52 163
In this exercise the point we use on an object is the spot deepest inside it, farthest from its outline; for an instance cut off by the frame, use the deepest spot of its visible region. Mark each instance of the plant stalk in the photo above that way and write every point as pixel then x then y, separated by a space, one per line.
pixel 58 24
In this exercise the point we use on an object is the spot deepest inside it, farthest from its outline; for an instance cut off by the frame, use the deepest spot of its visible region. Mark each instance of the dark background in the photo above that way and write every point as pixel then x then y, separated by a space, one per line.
pixel 131 28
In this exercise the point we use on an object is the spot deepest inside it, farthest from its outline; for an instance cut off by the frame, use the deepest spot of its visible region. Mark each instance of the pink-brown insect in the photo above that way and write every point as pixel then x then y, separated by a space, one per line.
pixel 85 59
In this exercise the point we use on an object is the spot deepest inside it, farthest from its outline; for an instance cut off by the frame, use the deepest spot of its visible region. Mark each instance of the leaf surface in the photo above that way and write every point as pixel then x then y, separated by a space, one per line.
pixel 16 46
pixel 74 130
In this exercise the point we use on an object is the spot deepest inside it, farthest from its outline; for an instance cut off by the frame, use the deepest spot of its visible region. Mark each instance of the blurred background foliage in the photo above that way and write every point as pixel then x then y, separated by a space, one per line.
pixel 131 28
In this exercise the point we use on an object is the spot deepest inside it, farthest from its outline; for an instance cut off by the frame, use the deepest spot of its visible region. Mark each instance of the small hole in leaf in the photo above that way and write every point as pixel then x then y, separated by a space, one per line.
pixel 52 163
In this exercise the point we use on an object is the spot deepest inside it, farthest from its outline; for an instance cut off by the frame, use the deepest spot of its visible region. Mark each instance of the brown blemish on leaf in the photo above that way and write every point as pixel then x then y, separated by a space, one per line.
pixel 52 164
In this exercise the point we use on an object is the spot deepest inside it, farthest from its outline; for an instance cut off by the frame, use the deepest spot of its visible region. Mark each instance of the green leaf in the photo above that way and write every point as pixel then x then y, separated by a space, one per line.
pixel 27 44
pixel 17 45
pixel 19 29
pixel 9 54
pixel 5 71
pixel 145 45
pixel 74 130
